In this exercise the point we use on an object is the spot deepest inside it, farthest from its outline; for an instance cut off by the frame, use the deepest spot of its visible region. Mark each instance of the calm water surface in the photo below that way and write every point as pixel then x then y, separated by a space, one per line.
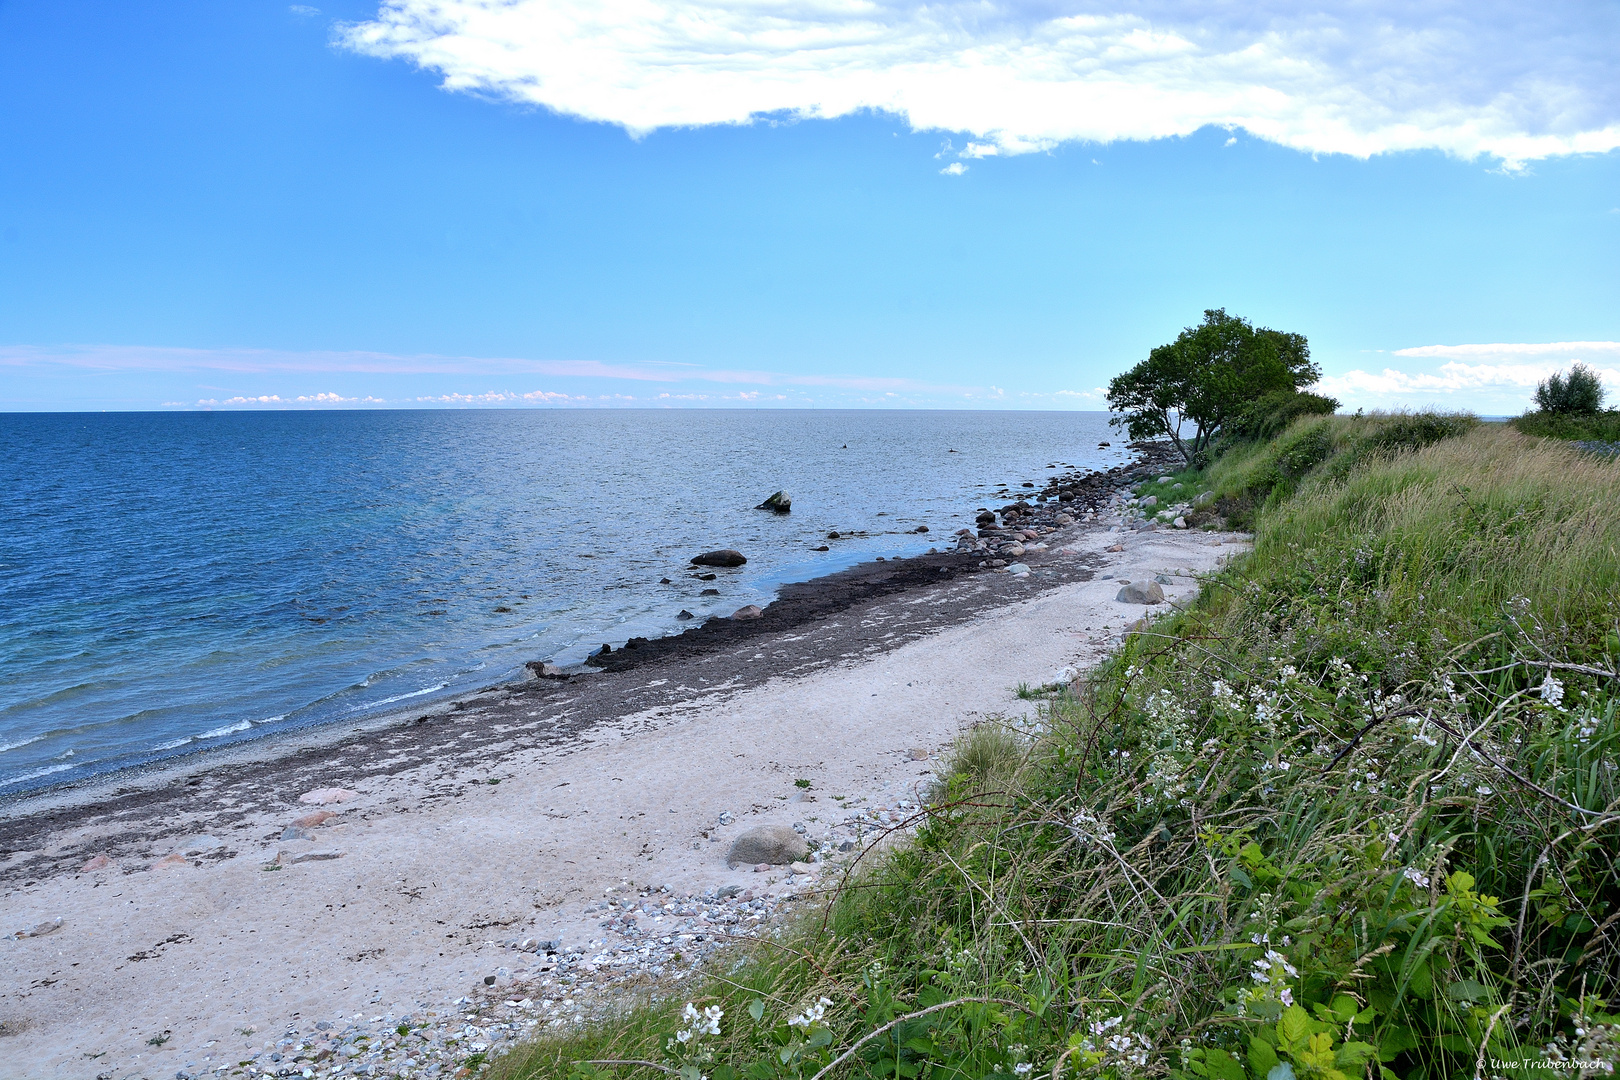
pixel 170 582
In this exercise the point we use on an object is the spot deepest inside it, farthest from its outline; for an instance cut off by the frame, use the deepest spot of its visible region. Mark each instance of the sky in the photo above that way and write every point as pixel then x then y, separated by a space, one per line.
pixel 828 203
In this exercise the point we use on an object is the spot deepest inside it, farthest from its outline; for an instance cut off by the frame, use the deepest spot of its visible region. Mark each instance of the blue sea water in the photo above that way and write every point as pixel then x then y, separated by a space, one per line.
pixel 172 582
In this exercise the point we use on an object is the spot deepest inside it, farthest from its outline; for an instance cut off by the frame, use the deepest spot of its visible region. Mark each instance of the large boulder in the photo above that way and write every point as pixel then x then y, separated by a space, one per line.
pixel 777 845
pixel 1141 592
pixel 722 557
pixel 781 502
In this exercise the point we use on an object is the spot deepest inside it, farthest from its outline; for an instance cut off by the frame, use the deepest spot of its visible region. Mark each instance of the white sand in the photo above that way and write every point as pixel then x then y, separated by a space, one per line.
pixel 409 916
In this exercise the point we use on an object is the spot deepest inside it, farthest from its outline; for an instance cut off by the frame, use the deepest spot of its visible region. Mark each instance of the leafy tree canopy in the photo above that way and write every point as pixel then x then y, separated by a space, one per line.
pixel 1580 393
pixel 1211 375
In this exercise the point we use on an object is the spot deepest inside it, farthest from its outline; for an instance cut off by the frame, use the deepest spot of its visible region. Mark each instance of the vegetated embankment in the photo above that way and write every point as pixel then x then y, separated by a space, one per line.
pixel 1353 812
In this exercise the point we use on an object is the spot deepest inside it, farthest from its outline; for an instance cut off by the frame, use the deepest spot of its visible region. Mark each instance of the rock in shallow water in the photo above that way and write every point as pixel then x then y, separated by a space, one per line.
pixel 781 502
pixel 720 557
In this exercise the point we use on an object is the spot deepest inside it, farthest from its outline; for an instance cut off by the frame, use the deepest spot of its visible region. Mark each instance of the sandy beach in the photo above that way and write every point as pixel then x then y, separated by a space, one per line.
pixel 459 891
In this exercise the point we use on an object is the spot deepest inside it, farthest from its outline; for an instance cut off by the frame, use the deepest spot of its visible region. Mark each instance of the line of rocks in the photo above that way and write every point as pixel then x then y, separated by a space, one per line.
pixel 1077 495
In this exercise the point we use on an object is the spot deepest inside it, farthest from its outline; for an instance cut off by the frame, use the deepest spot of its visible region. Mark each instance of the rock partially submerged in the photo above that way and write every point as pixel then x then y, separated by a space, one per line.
pixel 774 845
pixel 750 611
pixel 781 503
pixel 544 669
pixel 720 557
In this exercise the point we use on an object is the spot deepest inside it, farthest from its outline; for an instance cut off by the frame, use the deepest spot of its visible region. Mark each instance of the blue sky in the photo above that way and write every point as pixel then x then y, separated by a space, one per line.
pixel 257 205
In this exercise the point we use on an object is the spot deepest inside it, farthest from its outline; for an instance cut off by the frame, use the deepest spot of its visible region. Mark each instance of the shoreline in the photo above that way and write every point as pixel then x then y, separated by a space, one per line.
pixel 795 601
pixel 502 859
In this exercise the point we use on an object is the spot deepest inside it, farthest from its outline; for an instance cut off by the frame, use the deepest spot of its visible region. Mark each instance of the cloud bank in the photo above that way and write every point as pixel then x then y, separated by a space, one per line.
pixel 1499 375
pixel 1469 77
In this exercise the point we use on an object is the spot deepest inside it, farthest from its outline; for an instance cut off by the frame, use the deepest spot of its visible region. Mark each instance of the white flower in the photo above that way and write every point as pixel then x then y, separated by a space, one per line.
pixel 1023 1068
pixel 1416 877
pixel 1286 996
pixel 812 1015
pixel 1552 691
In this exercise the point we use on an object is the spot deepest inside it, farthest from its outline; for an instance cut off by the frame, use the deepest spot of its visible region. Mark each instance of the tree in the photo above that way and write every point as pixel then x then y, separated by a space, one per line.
pixel 1206 378
pixel 1580 393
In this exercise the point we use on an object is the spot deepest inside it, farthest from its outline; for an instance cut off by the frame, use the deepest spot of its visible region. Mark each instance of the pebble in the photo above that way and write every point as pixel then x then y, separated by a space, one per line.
pixel 44 929
pixel 99 862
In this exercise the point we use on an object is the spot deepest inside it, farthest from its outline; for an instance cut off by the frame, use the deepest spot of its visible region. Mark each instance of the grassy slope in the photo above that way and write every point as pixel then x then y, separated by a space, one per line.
pixel 1332 816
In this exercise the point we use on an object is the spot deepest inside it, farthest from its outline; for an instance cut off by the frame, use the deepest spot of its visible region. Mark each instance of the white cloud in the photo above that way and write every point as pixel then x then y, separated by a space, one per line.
pixel 278 400
pixel 955 168
pixel 1499 375
pixel 1360 77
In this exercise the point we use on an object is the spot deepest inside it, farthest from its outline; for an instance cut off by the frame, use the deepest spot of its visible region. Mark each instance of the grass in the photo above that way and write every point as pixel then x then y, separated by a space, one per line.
pixel 1599 427
pixel 1192 483
pixel 1355 811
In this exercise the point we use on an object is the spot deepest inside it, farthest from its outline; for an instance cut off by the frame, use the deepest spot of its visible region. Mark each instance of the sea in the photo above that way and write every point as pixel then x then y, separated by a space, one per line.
pixel 172 583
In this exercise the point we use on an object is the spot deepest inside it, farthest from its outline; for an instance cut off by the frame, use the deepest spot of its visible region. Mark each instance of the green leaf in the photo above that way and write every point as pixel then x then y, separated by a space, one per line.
pixel 756 1008
pixel 1354 1055
pixel 1345 1007
pixel 1293 1029
pixel 919 1045
pixel 1466 990
pixel 1220 1065
pixel 1262 1055
pixel 1280 1071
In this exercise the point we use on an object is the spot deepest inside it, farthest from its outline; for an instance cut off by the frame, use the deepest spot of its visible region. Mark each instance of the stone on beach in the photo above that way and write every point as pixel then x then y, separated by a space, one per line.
pixel 720 557
pixel 781 502
pixel 327 796
pixel 288 858
pixel 98 862
pixel 295 832
pixel 777 845
pixel 1141 592
pixel 749 611
pixel 173 858
pixel 40 929
pixel 314 818
pixel 543 669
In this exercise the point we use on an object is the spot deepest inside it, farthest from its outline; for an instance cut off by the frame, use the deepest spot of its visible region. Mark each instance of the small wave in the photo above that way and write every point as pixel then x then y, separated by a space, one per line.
pixel 398 697
pixel 14 745
pixel 36 774
pixel 228 729
pixel 172 745
pixel 271 719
